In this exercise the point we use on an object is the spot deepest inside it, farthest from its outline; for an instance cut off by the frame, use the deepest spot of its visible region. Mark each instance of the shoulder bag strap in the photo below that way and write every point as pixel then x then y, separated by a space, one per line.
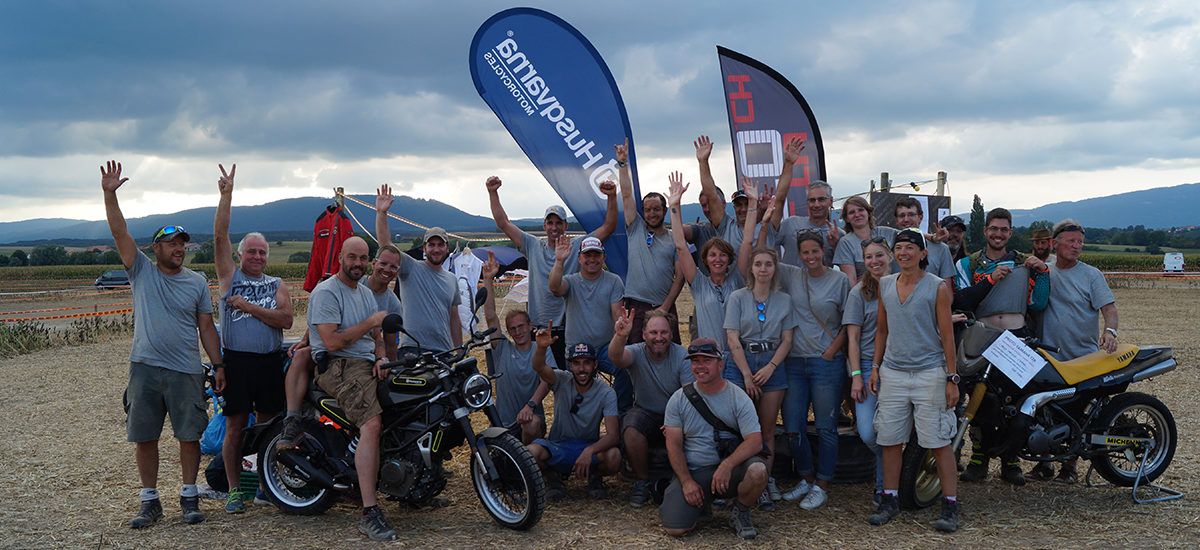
pixel 693 396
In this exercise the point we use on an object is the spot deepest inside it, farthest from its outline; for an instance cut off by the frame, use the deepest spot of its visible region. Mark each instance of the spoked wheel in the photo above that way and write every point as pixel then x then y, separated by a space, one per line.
pixel 1135 415
pixel 286 488
pixel 920 485
pixel 515 500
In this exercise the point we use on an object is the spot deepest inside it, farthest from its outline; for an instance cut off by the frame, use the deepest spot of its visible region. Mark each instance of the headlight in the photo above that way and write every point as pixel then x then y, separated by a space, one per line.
pixel 477 391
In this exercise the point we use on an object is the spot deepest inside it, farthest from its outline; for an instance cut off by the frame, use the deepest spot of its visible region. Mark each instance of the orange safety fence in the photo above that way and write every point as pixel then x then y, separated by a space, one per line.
pixel 69 316
pixel 94 308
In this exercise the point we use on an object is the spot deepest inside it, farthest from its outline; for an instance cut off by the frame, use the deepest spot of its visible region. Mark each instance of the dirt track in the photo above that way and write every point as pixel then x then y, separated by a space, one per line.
pixel 70 481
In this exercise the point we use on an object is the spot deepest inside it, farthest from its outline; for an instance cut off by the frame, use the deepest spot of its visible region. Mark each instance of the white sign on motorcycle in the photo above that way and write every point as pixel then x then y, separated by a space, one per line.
pixel 1009 354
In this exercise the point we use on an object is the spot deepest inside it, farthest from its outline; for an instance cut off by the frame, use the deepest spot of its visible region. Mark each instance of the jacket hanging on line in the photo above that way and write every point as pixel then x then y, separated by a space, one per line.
pixel 331 229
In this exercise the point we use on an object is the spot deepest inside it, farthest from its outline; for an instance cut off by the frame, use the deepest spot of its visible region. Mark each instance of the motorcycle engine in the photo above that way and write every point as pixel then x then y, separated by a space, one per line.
pixel 398 474
pixel 1048 441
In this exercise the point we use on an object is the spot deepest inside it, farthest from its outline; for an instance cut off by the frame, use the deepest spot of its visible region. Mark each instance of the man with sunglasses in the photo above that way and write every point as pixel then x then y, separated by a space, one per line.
pixel 1001 287
pixel 820 212
pixel 908 214
pixel 581 403
pixel 165 375
pixel 658 367
pixel 255 310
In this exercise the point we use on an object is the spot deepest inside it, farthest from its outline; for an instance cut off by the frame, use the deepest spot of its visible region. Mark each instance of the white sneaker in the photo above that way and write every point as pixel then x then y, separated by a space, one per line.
pixel 772 490
pixel 798 491
pixel 815 498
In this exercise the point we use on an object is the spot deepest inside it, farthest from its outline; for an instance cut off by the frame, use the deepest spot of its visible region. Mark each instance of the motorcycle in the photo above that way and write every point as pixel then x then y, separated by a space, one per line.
pixel 1070 409
pixel 427 403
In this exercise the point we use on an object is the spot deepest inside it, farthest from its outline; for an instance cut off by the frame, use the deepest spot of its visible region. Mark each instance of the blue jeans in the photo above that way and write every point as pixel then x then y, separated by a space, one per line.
pixel 864 417
pixel 817 382
pixel 622 383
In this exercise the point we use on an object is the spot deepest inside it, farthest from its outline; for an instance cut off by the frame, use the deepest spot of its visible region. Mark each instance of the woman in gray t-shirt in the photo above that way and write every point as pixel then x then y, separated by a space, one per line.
pixel 859 220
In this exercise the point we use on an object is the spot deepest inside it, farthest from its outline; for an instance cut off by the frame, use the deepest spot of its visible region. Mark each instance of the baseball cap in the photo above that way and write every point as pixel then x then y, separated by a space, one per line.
pixel 1040 234
pixel 557 211
pixel 739 194
pixel 582 349
pixel 910 235
pixel 704 347
pixel 591 243
pixel 168 232
pixel 951 221
pixel 435 232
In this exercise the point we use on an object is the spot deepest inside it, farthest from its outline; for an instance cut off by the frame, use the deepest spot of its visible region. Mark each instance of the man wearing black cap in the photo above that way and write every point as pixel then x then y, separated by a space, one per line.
pixel 165 375
pixel 956 230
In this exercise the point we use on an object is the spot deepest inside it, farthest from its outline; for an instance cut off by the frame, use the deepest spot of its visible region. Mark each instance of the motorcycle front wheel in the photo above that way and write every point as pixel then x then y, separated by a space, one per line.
pixel 285 488
pixel 1135 415
pixel 517 499
pixel 919 483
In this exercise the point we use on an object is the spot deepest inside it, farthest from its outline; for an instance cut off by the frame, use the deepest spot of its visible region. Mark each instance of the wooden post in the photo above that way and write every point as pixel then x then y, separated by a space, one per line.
pixel 941 184
pixel 339 198
pixel 885 185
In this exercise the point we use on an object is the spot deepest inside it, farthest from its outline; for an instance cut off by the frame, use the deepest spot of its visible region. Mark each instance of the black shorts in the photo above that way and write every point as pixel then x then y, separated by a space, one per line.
pixel 253 381
pixel 647 422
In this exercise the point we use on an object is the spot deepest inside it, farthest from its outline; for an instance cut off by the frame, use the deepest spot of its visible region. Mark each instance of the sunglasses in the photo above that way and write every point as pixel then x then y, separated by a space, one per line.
pixel 1065 228
pixel 168 230
pixel 703 348
pixel 649 238
pixel 575 405
pixel 762 311
pixel 876 240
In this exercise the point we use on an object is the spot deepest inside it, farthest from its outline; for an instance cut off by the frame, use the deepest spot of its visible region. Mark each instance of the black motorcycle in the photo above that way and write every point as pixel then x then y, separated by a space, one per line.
pixel 427 403
pixel 1070 409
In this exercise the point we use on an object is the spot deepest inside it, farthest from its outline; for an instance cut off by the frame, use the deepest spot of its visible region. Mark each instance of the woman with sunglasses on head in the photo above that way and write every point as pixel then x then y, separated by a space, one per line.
pixel 913 375
pixel 758 331
pixel 859 220
pixel 859 320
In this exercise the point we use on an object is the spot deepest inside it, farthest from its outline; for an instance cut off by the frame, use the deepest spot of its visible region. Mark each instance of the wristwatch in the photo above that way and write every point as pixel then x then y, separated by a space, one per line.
pixel 1112 330
pixel 953 377
pixel 532 405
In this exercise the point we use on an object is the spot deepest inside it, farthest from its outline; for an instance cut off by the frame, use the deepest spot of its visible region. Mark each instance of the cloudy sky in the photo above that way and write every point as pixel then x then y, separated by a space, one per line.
pixel 1022 103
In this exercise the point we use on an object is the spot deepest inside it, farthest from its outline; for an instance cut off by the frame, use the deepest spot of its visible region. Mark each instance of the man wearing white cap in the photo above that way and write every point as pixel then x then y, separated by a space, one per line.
pixel 544 307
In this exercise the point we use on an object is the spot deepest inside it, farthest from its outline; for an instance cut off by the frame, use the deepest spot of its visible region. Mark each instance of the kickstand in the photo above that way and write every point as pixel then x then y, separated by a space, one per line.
pixel 1159 492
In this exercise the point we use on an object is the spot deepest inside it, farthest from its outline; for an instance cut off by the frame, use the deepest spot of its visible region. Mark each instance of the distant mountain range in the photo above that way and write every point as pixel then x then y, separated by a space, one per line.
pixel 290 219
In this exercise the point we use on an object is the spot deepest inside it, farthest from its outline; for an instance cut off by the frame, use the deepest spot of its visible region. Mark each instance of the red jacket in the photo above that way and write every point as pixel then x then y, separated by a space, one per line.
pixel 331 229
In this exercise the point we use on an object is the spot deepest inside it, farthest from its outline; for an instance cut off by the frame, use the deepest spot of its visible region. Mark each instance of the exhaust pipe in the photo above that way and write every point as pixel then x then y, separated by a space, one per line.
pixel 1150 372
pixel 1035 401
pixel 305 469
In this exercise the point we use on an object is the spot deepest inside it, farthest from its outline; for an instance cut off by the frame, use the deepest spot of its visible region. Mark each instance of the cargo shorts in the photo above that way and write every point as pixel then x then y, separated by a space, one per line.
pixel 913 398
pixel 155 392
pixel 349 380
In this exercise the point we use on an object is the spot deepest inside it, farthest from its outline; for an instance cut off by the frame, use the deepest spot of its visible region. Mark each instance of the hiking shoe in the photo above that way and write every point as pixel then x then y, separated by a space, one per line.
pixel 1042 471
pixel 595 486
pixel 554 487
pixel 190 507
pixel 875 499
pixel 889 507
pixel 765 503
pixel 374 526
pixel 814 499
pixel 720 503
pixel 150 512
pixel 234 504
pixel 641 493
pixel 949 520
pixel 1011 473
pixel 291 432
pixel 739 520
pixel 976 470
pixel 797 492
pixel 1067 475
pixel 773 490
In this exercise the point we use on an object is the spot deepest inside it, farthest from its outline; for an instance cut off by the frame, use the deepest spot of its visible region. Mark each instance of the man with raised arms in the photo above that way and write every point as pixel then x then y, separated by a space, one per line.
pixel 819 218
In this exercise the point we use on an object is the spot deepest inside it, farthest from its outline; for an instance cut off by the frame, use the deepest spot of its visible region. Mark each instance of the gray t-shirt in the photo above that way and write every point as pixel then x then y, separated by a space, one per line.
pixel 913 340
pixel 164 316
pixel 515 388
pixel 1071 321
pixel 728 230
pixel 710 300
pixel 651 266
pixel 849 248
pixel 598 402
pixel 655 381
pixel 241 331
pixel 941 259
pixel 731 405
pixel 814 298
pixel 741 314
pixel 543 305
pixel 865 314
pixel 790 227
pixel 1008 295
pixel 332 302
pixel 427 294
pixel 385 300
pixel 589 307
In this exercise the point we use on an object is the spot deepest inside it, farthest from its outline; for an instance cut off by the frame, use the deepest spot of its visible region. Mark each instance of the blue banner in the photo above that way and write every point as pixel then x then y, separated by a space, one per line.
pixel 557 98
pixel 765 112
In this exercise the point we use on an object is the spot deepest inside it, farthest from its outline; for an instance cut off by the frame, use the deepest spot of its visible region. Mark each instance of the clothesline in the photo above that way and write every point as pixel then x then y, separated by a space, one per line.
pixel 401 218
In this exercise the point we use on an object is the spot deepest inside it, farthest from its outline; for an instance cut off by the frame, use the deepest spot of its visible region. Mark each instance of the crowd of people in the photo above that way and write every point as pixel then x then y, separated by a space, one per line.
pixel 793 315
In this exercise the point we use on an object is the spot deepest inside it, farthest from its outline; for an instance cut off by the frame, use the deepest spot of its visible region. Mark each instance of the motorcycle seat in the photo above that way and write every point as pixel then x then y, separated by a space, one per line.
pixel 329 407
pixel 1094 364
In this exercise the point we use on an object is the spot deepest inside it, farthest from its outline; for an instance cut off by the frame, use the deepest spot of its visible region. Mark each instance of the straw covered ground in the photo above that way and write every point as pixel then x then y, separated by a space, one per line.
pixel 69 479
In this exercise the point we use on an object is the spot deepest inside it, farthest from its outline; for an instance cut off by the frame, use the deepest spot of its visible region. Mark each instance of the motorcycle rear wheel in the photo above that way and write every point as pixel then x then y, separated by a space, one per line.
pixel 518 498
pixel 1135 415
pixel 285 489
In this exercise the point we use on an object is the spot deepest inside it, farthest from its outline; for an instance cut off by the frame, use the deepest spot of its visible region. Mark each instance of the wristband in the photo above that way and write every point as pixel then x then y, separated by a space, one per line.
pixel 532 405
pixel 856 373
pixel 221 366
pixel 621 164
pixel 989 279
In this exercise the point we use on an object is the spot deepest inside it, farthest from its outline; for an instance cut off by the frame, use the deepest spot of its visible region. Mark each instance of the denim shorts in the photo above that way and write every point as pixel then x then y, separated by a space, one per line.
pixel 756 361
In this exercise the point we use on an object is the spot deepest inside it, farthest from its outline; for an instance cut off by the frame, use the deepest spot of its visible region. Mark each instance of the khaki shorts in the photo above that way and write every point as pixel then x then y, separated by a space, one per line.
pixel 676 513
pixel 349 380
pixel 155 392
pixel 913 398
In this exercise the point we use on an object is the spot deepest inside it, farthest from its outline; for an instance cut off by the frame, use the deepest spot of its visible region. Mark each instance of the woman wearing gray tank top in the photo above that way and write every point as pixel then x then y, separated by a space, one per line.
pixel 913 376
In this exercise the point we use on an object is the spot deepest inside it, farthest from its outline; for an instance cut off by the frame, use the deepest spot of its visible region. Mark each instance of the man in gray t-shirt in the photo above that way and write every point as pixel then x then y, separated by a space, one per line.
pixel 819 197
pixel 1079 296
pixel 171 304
pixel 908 214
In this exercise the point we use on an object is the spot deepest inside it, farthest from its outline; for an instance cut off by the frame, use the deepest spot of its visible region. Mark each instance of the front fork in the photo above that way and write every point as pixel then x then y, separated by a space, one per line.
pixel 479 450
pixel 969 412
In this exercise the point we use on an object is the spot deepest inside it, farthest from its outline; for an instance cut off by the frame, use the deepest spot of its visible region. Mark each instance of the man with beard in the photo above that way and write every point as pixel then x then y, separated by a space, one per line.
pixel 519 391
pixel 543 306
pixel 165 375
pixel 428 293
pixel 1001 286
pixel 956 230
pixel 593 304
pixel 581 403
pixel 255 310
pixel 343 328
pixel 652 281
pixel 1041 245
pixel 908 213
pixel 819 218
pixel 658 367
